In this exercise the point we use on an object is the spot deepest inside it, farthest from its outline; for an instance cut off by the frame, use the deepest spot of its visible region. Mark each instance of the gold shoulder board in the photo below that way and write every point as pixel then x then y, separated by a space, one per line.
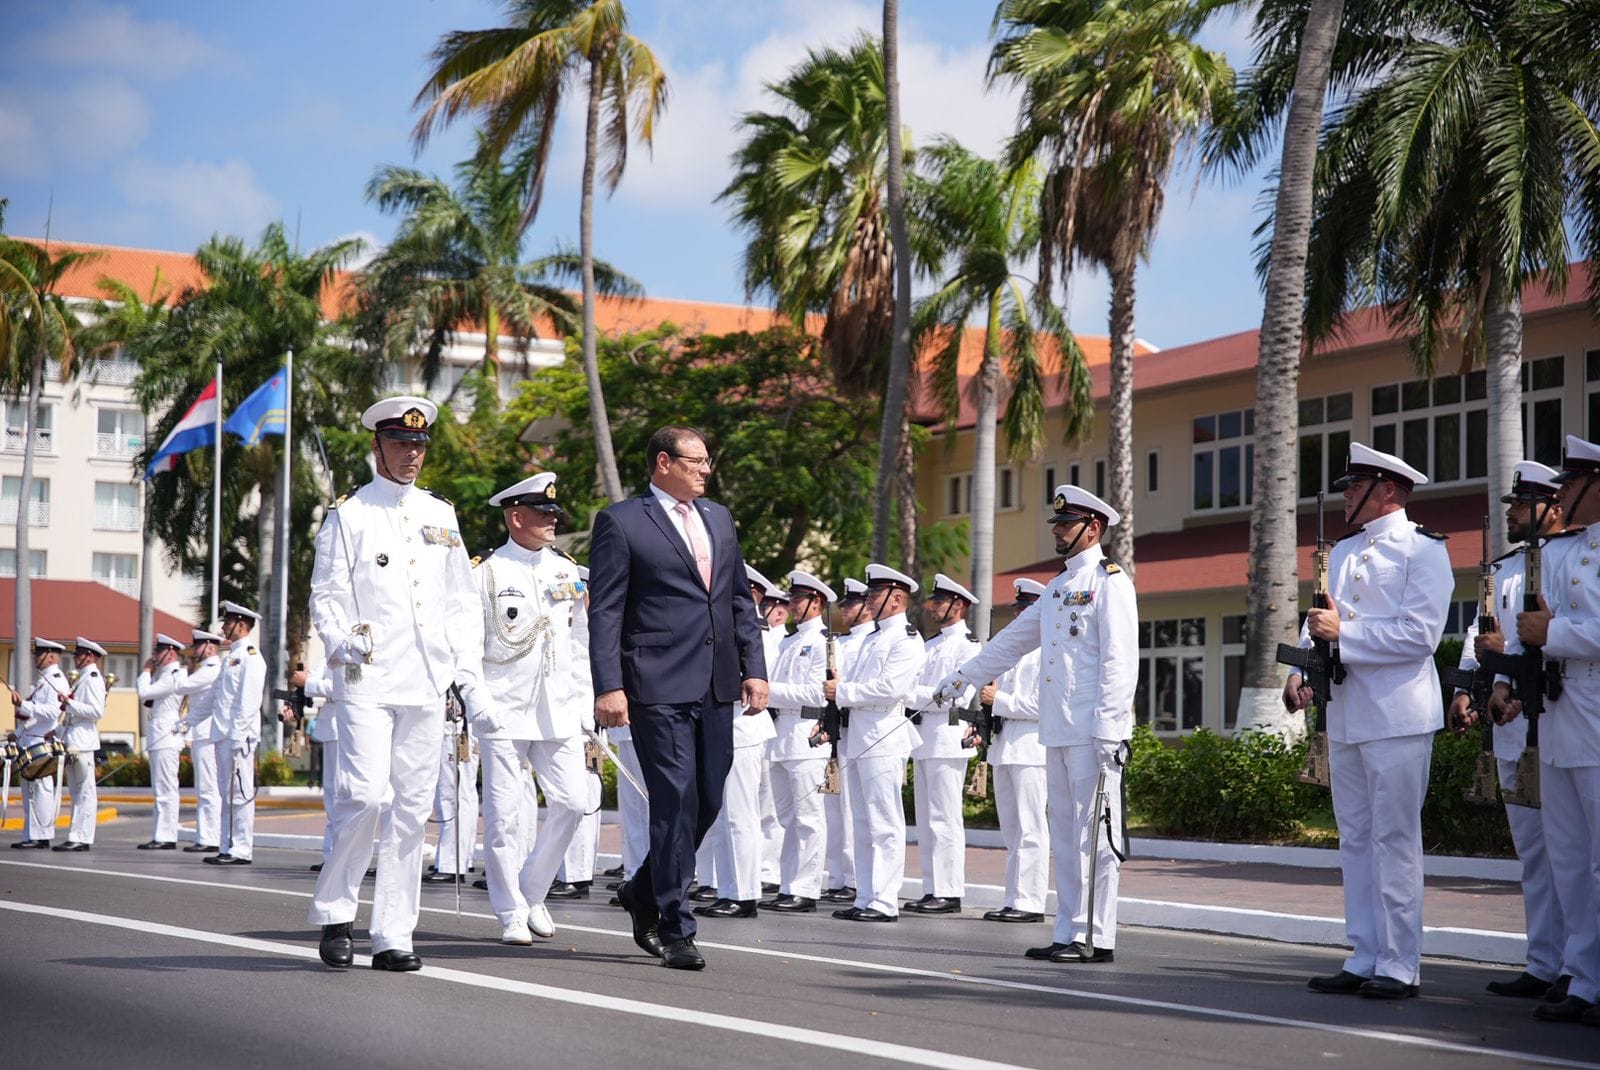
pixel 1438 536
pixel 1111 567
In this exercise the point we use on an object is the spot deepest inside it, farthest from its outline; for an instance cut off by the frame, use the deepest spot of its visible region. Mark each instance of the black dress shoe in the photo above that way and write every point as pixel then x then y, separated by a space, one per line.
pixel 442 878
pixel 703 894
pixel 1523 986
pixel 728 908
pixel 336 948
pixel 201 849
pixel 869 914
pixel 70 845
pixel 847 913
pixel 934 904
pixel 768 904
pixel 839 895
pixel 569 890
pixel 1382 987
pixel 646 920
pixel 768 888
pixel 396 961
pixel 612 886
pixel 317 867
pixel 1044 954
pixel 1558 991
pixel 682 955
pixel 1342 983
pixel 482 884
pixel 157 845
pixel 1571 1009
pixel 794 904
pixel 614 871
pixel 225 860
pixel 1013 915
pixel 24 844
pixel 1076 952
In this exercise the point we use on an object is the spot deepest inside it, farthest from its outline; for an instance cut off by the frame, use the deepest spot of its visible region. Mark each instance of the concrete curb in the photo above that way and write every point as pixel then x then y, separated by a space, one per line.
pixel 101 816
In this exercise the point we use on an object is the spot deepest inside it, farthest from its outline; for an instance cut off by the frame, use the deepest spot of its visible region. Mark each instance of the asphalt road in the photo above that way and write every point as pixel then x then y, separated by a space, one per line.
pixel 130 959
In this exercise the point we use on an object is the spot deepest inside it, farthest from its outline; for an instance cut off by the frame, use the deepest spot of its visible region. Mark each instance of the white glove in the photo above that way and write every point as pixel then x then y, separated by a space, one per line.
pixel 1107 753
pixel 356 648
pixel 949 689
pixel 484 718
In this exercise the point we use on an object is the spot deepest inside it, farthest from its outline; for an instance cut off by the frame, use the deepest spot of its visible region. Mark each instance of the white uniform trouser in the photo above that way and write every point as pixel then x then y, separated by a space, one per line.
pixel 941 831
pixel 207 758
pixel 164 784
pixel 794 792
pixel 1020 796
pixel 840 837
pixel 1072 774
pixel 740 840
pixel 1378 790
pixel 85 799
pixel 381 749
pixel 444 809
pixel 39 808
pixel 879 816
pixel 330 761
pixel 771 830
pixel 578 863
pixel 238 770
pixel 1541 913
pixel 705 858
pixel 519 877
pixel 633 810
pixel 1571 817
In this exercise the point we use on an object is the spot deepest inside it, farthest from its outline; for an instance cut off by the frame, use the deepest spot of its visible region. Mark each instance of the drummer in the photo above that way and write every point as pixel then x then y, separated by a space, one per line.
pixel 37 717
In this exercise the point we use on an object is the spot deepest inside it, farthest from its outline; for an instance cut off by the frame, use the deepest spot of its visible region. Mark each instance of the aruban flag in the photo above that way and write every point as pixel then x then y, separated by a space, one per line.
pixel 198 428
pixel 263 412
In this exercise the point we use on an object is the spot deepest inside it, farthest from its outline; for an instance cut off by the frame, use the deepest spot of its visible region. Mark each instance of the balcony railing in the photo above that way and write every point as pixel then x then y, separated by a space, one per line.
pixel 117 445
pixel 38 513
pixel 116 518
pixel 113 373
pixel 128 585
pixel 43 440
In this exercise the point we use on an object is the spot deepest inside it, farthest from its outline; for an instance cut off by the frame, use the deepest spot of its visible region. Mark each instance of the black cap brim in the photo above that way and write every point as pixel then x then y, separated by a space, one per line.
pixel 405 434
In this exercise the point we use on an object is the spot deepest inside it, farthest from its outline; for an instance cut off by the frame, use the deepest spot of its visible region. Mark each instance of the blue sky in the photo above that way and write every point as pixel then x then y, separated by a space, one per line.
pixel 157 124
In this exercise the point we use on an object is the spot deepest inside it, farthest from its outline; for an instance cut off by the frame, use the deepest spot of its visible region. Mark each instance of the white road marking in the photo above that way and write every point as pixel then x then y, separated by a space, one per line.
pixel 816 1038
pixel 1197 1010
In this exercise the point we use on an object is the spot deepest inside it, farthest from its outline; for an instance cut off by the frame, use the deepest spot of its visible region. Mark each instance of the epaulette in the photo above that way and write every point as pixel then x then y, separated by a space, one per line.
pixel 1437 536
pixel 345 497
pixel 250 650
pixel 1350 534
pixel 94 672
pixel 559 552
pixel 441 497
pixel 1508 553
pixel 476 561
pixel 911 629
pixel 1111 567
pixel 1563 534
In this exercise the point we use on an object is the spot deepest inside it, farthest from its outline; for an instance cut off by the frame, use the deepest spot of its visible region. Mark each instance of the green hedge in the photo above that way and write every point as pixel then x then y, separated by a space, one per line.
pixel 1214 787
pixel 133 771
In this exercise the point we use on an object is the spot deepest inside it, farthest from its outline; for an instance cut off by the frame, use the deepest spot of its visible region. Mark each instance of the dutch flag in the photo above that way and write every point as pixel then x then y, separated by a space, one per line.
pixel 198 428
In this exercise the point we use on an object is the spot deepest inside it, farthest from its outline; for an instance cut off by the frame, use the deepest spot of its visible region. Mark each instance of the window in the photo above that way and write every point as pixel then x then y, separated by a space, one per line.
pixel 958 500
pixel 1152 471
pixel 1235 634
pixel 38 509
pixel 1172 674
pixel 1100 478
pixel 120 433
pixel 1591 376
pixel 1050 483
pixel 1543 383
pixel 1459 617
pixel 116 507
pixel 121 670
pixel 17 427
pixel 1005 489
pixel 1075 474
pixel 1224 460
pixel 120 572
pixel 36 563
pixel 1324 441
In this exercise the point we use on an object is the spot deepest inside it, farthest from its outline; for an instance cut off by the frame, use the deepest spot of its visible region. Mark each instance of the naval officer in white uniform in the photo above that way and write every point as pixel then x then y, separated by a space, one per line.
pixel 81 711
pixel 205 743
pixel 37 717
pixel 237 712
pixel 157 687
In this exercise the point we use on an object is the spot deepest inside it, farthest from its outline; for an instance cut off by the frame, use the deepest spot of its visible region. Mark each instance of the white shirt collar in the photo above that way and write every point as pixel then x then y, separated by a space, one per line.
pixel 959 626
pixel 240 642
pixel 668 500
pixel 521 554
pixel 1085 558
pixel 1386 523
pixel 813 625
pixel 889 623
pixel 387 490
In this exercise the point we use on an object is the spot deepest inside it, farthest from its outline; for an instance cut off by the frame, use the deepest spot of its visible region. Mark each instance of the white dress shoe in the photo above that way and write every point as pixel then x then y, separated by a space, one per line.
pixel 540 922
pixel 516 932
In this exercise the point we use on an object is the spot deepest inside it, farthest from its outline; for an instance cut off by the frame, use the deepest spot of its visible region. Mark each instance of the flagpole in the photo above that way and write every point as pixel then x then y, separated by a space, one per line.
pixel 285 502
pixel 216 506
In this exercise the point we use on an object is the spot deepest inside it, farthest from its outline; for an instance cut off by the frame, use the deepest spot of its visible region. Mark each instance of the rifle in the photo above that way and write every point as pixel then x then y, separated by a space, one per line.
pixel 984 724
pixel 830 721
pixel 1319 667
pixel 295 697
pixel 1478 684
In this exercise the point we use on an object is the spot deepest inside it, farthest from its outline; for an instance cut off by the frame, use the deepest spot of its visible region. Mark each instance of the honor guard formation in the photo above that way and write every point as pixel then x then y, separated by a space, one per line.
pixel 762 732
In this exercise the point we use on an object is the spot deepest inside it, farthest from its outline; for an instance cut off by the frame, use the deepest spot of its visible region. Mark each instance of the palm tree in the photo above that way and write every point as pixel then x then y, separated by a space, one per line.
pixel 456 264
pixel 1112 93
pixel 513 77
pixel 894 441
pixel 985 220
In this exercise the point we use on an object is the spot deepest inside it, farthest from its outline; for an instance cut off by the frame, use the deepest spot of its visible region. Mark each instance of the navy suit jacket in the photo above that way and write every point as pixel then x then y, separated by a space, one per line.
pixel 655 631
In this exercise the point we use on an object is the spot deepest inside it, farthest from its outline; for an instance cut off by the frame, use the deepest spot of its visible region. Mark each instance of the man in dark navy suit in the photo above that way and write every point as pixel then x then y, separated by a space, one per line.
pixel 674 642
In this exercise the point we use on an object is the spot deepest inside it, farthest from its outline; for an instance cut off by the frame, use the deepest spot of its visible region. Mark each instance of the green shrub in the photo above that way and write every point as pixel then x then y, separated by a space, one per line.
pixel 125 771
pixel 273 769
pixel 1450 824
pixel 1214 787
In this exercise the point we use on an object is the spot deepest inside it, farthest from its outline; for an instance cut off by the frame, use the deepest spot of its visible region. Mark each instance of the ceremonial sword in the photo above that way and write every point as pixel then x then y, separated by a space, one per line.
pixel 622 770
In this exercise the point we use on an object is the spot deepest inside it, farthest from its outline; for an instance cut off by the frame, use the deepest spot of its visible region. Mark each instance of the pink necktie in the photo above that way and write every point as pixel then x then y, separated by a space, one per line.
pixel 697 543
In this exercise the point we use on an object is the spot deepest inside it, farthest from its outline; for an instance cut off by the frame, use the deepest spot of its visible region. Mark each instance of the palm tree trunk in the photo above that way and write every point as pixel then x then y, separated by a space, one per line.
pixel 1503 360
pixel 893 444
pixel 23 621
pixel 1118 539
pixel 983 472
pixel 491 346
pixel 906 489
pixel 1273 595
pixel 610 481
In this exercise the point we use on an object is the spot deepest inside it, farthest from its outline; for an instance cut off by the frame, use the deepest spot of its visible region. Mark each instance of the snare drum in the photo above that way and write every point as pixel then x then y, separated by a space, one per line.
pixel 38 761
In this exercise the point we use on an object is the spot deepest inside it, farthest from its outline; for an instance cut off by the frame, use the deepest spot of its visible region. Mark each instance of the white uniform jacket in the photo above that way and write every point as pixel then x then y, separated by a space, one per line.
pixel 1086 627
pixel 40 712
pixel 1392 585
pixel 238 694
pixel 81 718
pixel 1569 732
pixel 1016 707
pixel 795 676
pixel 536 643
pixel 753 729
pixel 325 728
pixel 158 691
pixel 389 555
pixel 199 686
pixel 944 654
pixel 881 678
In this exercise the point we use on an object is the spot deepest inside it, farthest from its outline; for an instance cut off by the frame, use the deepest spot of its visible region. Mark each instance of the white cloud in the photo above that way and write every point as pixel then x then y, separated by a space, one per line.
pixel 195 199
pixel 96 120
pixel 112 37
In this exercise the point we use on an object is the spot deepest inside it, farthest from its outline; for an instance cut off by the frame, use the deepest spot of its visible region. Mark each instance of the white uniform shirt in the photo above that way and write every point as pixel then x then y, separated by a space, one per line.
pixel 199 686
pixel 795 675
pixel 753 729
pixel 945 653
pixel 389 555
pixel 83 712
pixel 1392 585
pixel 535 596
pixel 238 694
pixel 158 691
pixel 1016 703
pixel 1086 626
pixel 1509 739
pixel 1569 732
pixel 884 671
pixel 40 712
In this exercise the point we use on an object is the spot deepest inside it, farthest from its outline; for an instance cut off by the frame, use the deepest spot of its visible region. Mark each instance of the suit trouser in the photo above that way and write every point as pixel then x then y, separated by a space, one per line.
pixel 382 749
pixel 1541 913
pixel 238 769
pixel 445 808
pixel 1378 790
pixel 685 751
pixel 840 837
pixel 771 830
pixel 206 755
pixel 1021 794
pixel 39 808
pixel 164 785
pixel 85 798
pixel 520 867
pixel 794 792
pixel 1072 775
pixel 633 811
pixel 941 829
pixel 578 863
pixel 879 814
pixel 1570 799
pixel 741 844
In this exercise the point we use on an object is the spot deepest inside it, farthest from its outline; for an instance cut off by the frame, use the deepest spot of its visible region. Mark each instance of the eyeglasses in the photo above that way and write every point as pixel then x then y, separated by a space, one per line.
pixel 695 462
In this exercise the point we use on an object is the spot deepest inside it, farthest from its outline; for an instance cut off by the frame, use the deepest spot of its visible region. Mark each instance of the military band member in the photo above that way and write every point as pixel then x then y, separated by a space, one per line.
pixel 157 687
pixel 1567 626
pixel 1021 789
pixel 796 672
pixel 877 742
pixel 1390 586
pixel 941 758
pixel 855 624
pixel 1086 628
pixel 81 711
pixel 37 716
pixel 208 740
pixel 237 712
pixel 774 612
pixel 394 601
pixel 1541 912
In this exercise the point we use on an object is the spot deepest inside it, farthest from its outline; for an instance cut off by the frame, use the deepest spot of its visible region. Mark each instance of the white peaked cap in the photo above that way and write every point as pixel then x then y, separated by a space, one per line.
pixel 811 583
pixel 1026 586
pixel 234 609
pixel 1366 461
pixel 47 644
pixel 1582 458
pixel 854 587
pixel 882 574
pixel 1070 501
pixel 85 646
pixel 1527 476
pixel 163 639
pixel 200 635
pixel 538 491
pixel 393 414
pixel 941 582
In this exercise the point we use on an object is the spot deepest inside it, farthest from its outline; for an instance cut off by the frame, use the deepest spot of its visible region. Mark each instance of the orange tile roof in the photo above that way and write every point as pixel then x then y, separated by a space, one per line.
pixel 63 609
